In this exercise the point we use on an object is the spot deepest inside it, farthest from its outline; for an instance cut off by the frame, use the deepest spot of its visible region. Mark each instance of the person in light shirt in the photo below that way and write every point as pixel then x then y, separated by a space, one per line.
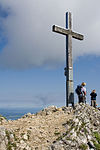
pixel 83 91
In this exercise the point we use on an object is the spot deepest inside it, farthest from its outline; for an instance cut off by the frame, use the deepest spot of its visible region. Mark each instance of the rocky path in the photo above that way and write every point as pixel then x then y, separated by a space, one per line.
pixel 37 132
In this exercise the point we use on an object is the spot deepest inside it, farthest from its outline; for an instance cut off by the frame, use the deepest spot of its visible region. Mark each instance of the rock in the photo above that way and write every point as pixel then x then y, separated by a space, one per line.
pixel 53 128
pixel 25 137
pixel 2 119
pixel 79 128
pixel 28 115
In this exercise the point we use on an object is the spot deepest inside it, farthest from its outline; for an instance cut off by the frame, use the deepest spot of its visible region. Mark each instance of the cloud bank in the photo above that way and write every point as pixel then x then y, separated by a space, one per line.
pixel 27 39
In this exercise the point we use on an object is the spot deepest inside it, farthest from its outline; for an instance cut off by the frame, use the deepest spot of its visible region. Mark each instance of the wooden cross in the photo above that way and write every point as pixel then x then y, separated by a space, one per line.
pixel 69 65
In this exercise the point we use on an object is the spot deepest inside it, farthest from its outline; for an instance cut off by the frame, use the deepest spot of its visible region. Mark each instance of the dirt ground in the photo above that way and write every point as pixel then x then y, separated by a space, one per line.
pixel 39 131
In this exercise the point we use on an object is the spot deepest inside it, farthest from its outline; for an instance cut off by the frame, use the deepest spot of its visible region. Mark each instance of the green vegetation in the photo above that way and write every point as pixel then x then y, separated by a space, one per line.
pixel 78 132
pixel 57 133
pixel 97 144
pixel 85 130
pixel 69 139
pixel 76 128
pixel 83 146
pixel 22 134
pixel 97 136
pixel 80 128
pixel 83 125
pixel 60 137
pixel 15 137
pixel 11 145
pixel 28 134
pixel 1 117
pixel 8 135
pixel 69 122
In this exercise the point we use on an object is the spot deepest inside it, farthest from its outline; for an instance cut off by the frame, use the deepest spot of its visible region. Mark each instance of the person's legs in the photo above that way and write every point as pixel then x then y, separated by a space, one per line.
pixel 95 103
pixel 80 99
pixel 84 99
pixel 92 103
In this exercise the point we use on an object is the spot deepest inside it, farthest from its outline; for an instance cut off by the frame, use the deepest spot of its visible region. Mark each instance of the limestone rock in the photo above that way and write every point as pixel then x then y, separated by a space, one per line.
pixel 53 128
pixel 83 130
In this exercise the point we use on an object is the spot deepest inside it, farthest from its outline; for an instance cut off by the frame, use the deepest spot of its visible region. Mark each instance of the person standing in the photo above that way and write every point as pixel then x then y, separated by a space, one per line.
pixel 81 92
pixel 84 91
pixel 93 95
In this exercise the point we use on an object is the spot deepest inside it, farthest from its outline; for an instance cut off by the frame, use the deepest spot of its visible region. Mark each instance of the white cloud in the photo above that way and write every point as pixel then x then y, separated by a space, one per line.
pixel 31 42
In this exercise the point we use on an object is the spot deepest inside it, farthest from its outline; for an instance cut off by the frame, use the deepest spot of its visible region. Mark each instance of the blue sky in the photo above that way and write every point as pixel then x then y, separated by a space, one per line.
pixel 32 57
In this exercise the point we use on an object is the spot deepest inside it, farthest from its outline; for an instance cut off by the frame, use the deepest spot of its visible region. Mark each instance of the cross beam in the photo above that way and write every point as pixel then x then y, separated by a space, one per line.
pixel 69 65
pixel 66 32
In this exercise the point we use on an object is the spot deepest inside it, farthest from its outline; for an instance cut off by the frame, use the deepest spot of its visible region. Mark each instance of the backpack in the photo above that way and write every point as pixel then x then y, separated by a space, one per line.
pixel 78 89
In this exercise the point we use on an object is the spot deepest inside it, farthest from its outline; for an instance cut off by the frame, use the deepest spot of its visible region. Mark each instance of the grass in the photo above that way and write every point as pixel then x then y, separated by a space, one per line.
pixel 97 144
pixel 85 131
pixel 83 146
pixel 8 135
pixel 76 128
pixel 97 136
pixel 11 145
pixel 22 134
pixel 57 133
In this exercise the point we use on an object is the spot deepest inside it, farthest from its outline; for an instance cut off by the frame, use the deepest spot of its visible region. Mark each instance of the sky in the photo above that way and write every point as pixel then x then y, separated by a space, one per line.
pixel 32 57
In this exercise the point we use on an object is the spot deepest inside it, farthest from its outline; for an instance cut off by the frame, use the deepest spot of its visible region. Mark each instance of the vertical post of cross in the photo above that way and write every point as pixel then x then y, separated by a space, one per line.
pixel 69 64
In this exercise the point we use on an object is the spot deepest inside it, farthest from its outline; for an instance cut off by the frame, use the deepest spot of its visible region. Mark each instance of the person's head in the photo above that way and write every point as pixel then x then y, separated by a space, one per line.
pixel 93 91
pixel 83 84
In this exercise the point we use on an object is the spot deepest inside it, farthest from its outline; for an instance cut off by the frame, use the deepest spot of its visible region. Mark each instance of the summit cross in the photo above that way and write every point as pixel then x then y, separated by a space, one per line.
pixel 69 64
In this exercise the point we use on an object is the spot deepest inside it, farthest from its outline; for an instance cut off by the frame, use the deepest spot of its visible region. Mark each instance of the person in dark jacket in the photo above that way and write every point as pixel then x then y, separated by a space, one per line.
pixel 93 98
pixel 81 92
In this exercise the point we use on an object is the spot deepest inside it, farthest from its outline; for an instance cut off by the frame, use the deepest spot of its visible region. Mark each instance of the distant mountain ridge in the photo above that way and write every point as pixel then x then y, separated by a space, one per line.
pixel 53 128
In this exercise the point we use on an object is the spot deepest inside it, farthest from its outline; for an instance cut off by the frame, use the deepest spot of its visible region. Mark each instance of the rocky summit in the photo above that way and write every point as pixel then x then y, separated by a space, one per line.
pixel 53 128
